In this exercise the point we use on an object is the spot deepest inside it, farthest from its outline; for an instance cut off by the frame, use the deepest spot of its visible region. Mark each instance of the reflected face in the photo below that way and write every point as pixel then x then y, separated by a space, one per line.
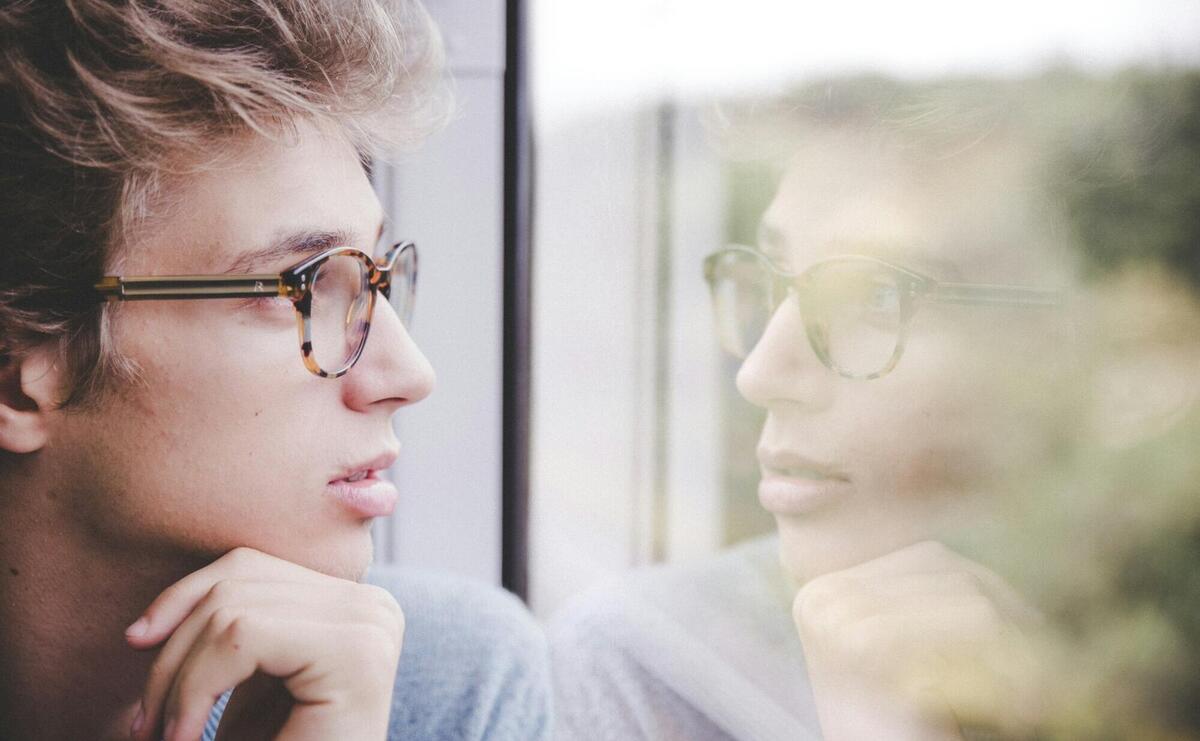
pixel 854 469
pixel 229 440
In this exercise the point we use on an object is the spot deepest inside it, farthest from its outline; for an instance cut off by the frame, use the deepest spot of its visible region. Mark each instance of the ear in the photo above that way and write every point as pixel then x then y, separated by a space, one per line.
pixel 28 387
pixel 1144 394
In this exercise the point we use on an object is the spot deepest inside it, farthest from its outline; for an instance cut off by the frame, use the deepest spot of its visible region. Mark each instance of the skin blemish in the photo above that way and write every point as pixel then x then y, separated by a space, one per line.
pixel 13 571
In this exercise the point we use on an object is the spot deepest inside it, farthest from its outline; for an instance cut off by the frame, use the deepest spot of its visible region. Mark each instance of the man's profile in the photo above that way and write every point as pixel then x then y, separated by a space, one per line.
pixel 199 363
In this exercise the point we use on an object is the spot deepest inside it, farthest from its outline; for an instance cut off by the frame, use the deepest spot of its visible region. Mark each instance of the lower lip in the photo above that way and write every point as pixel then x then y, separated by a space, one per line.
pixel 784 495
pixel 370 497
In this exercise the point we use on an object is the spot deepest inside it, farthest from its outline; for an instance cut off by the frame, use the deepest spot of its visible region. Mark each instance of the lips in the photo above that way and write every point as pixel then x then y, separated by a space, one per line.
pixel 793 484
pixel 380 462
pixel 362 490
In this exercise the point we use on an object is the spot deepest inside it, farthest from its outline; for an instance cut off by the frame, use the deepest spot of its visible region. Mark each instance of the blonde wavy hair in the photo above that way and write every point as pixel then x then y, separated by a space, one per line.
pixel 102 101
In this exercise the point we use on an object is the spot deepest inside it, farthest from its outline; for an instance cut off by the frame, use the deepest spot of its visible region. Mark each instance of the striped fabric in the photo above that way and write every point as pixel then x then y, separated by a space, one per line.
pixel 210 728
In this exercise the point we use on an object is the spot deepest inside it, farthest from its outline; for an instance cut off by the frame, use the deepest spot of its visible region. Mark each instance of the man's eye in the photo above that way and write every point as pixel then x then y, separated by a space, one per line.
pixel 883 298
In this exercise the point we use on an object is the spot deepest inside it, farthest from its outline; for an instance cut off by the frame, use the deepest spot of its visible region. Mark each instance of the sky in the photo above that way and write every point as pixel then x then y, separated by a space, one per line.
pixel 590 54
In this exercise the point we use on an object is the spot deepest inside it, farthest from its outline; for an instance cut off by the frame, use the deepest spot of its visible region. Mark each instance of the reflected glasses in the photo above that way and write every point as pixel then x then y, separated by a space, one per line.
pixel 333 293
pixel 856 309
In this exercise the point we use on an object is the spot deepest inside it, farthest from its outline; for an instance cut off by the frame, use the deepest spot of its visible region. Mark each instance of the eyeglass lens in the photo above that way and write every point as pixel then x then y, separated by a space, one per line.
pixel 341 298
pixel 852 311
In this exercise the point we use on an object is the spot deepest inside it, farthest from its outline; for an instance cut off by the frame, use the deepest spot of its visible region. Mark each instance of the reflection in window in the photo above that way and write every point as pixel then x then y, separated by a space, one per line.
pixel 964 505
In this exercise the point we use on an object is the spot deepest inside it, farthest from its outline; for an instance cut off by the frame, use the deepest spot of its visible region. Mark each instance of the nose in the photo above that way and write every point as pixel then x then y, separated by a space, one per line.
pixel 392 372
pixel 782 367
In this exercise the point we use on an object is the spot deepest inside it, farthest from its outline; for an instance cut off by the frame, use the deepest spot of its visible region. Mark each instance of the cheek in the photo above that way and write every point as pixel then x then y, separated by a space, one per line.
pixel 206 450
pixel 215 389
pixel 969 401
pixel 935 425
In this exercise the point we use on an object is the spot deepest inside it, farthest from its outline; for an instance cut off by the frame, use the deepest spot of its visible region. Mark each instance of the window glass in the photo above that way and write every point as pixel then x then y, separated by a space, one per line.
pixel 865 350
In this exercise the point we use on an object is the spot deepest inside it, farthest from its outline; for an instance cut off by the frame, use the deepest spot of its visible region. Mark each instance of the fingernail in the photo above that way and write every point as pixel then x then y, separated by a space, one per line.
pixel 138 629
pixel 139 720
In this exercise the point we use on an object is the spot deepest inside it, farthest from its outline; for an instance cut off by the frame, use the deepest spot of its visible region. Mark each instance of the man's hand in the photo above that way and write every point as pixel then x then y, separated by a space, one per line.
pixel 917 644
pixel 333 645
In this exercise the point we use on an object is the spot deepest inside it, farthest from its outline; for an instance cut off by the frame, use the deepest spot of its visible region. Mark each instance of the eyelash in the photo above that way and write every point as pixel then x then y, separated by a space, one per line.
pixel 266 302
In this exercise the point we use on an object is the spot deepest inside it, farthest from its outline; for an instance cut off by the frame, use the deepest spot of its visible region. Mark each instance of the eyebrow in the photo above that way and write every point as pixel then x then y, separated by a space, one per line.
pixel 296 244
pixel 773 243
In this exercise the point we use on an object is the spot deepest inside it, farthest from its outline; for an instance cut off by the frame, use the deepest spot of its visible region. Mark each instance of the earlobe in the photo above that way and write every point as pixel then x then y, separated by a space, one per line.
pixel 27 396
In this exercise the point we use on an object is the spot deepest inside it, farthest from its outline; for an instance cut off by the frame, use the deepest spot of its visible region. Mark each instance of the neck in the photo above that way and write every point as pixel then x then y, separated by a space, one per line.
pixel 65 601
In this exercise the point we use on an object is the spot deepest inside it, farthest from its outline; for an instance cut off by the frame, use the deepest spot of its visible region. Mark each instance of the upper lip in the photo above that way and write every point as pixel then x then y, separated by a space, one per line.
pixel 380 462
pixel 784 462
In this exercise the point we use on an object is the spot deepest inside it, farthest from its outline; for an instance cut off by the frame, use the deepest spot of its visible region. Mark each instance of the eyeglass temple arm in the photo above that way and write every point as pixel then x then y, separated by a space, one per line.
pixel 115 288
pixel 993 295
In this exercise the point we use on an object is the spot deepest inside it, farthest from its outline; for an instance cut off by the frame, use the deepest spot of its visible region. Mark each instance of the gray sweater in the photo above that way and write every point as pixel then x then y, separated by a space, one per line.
pixel 702 652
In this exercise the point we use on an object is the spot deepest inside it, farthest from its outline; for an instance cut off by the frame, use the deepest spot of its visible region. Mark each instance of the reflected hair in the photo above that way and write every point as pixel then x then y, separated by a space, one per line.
pixel 1117 152
pixel 104 102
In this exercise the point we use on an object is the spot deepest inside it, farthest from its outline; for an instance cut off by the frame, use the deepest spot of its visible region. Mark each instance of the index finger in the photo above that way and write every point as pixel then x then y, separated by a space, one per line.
pixel 933 557
pixel 177 601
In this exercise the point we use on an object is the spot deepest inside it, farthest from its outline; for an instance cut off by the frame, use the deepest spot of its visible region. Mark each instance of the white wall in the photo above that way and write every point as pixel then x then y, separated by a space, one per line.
pixel 448 197
pixel 592 453
pixel 626 455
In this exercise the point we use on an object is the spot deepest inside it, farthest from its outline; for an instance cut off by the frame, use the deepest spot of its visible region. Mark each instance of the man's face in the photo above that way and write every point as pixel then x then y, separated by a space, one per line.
pixel 854 469
pixel 228 440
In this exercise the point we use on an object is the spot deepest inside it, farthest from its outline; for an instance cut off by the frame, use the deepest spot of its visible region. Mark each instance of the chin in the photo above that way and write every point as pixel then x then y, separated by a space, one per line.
pixel 807 551
pixel 351 562
pixel 802 562
pixel 343 558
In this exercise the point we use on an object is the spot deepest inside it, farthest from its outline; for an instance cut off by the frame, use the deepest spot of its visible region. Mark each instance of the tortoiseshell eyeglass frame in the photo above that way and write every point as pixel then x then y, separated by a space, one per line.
pixel 294 283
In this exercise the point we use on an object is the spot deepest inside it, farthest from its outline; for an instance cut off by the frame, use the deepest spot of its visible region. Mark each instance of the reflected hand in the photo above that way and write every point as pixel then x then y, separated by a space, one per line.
pixel 320 653
pixel 918 644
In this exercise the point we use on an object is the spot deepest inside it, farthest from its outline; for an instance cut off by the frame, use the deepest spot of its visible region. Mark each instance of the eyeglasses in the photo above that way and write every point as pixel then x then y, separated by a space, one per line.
pixel 856 309
pixel 333 294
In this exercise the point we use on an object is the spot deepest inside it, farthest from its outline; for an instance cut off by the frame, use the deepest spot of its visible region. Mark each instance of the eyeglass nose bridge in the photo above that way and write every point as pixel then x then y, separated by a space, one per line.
pixel 381 272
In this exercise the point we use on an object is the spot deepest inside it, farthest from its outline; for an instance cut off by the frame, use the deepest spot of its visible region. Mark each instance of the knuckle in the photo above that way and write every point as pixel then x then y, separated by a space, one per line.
pixel 864 640
pixel 369 641
pixel 377 651
pixel 226 619
pixel 222 592
pixel 241 558
pixel 984 614
pixel 964 582
pixel 804 608
pixel 817 602
pixel 393 625
pixel 383 598
pixel 932 550
pixel 369 637
pixel 401 624
pixel 384 609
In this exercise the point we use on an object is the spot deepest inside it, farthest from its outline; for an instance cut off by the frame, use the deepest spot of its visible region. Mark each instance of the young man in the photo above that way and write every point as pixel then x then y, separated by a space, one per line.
pixel 187 486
